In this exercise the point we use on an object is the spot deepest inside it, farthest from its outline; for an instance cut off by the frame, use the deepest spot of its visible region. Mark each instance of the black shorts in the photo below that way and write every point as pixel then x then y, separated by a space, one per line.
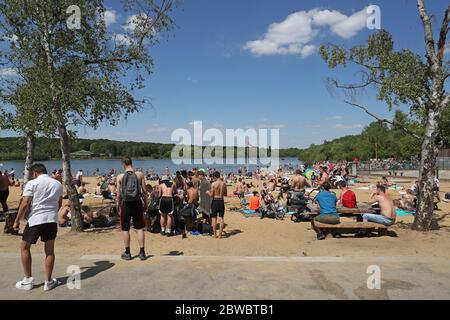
pixel 217 208
pixel 4 195
pixel 166 205
pixel 46 232
pixel 133 210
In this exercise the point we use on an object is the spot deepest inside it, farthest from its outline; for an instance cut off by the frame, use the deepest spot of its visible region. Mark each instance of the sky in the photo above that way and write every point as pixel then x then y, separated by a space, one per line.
pixel 255 64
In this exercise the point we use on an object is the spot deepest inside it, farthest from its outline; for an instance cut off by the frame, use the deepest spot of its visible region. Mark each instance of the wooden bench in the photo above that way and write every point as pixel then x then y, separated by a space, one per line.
pixel 353 226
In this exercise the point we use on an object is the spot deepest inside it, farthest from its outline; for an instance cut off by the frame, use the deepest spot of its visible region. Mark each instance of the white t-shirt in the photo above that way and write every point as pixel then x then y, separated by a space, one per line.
pixel 79 175
pixel 46 193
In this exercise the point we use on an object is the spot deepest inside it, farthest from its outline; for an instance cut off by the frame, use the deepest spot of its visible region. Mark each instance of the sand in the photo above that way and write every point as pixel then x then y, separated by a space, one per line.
pixel 256 237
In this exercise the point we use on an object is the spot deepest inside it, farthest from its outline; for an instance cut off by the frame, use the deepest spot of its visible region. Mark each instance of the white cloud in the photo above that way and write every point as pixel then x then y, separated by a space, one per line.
pixel 123 39
pixel 141 21
pixel 295 34
pixel 8 72
pixel 331 118
pixel 192 80
pixel 348 126
pixel 110 17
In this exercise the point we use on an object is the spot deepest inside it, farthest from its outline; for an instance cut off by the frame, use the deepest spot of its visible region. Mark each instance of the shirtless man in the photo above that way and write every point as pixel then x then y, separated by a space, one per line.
pixel 132 206
pixel 192 200
pixel 272 185
pixel 4 191
pixel 166 206
pixel 239 188
pixel 217 193
pixel 388 214
pixel 324 176
pixel 196 178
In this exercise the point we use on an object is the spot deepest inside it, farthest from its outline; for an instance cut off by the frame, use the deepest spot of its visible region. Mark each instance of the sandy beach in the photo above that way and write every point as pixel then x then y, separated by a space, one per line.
pixel 256 237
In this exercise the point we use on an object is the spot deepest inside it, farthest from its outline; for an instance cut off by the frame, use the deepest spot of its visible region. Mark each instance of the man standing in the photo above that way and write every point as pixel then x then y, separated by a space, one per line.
pixel 205 199
pixel 41 201
pixel 166 205
pixel 217 193
pixel 4 192
pixel 132 196
pixel 79 178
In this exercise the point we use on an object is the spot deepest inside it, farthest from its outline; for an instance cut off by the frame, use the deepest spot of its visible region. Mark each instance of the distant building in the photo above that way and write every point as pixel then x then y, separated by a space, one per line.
pixel 83 154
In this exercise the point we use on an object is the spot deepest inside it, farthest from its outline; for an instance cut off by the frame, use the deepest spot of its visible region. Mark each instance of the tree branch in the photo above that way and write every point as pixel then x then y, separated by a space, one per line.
pixel 429 40
pixel 385 120
pixel 443 35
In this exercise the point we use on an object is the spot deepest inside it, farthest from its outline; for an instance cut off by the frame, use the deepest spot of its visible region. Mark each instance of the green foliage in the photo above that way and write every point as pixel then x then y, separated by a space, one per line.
pixel 377 139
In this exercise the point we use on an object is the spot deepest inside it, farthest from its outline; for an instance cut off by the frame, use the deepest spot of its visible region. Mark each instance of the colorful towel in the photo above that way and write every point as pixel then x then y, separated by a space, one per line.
pixel 403 213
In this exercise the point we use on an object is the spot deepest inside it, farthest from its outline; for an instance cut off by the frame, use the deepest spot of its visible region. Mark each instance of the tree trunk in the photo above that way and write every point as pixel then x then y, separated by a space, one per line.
pixel 62 130
pixel 425 204
pixel 29 157
pixel 64 139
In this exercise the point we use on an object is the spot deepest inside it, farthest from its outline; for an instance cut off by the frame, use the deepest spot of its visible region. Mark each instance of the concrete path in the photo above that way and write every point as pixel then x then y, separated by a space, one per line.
pixel 224 278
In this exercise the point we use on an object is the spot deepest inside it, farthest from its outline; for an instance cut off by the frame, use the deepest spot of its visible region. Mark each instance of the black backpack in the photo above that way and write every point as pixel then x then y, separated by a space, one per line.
pixel 131 190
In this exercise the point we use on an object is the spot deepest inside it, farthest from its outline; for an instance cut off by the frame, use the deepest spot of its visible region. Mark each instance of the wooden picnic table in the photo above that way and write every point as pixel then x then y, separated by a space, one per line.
pixel 351 212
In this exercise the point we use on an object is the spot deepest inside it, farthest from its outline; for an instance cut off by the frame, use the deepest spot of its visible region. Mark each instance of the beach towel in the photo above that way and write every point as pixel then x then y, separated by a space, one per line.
pixel 250 213
pixel 363 188
pixel 395 187
pixel 402 213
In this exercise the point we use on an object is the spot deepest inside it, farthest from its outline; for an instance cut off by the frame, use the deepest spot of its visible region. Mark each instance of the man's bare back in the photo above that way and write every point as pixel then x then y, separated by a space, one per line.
pixel 166 191
pixel 298 183
pixel 386 205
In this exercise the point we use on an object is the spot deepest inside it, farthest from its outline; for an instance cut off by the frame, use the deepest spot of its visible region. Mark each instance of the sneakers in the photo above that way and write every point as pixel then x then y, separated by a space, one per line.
pixel 126 256
pixel 50 285
pixel 321 236
pixel 26 284
pixel 142 256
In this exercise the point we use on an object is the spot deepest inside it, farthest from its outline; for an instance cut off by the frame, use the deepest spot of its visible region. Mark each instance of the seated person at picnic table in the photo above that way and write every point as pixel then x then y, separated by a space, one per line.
pixel 328 211
pixel 255 201
pixel 388 214
pixel 348 197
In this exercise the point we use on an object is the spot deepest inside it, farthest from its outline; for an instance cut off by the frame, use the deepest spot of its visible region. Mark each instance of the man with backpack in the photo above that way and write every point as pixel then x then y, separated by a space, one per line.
pixel 133 199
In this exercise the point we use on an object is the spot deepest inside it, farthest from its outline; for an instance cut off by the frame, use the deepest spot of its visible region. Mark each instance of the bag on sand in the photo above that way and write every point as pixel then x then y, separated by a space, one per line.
pixel 131 190
pixel 447 196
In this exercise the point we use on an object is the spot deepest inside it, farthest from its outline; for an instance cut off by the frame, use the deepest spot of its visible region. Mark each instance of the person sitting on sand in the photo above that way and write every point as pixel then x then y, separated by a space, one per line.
pixel 348 197
pixel 255 202
pixel 82 189
pixel 328 211
pixel 385 182
pixel 388 214
pixel 65 216
pixel 407 201
pixel 239 188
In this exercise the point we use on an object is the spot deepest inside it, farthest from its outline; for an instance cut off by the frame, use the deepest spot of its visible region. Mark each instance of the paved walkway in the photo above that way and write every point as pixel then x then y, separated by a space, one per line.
pixel 223 278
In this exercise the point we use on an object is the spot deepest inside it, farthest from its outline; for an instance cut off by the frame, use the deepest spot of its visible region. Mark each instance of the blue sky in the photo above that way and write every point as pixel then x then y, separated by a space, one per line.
pixel 219 65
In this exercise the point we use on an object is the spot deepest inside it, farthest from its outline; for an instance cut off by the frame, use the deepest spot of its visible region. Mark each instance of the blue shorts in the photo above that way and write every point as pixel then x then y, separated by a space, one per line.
pixel 377 218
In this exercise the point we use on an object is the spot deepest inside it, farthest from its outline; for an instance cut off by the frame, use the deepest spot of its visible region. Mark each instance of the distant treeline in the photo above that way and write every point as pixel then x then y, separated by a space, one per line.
pixel 378 140
pixel 13 148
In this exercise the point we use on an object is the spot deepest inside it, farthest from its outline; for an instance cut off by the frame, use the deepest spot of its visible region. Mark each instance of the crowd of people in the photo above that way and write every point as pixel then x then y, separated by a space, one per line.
pixel 186 202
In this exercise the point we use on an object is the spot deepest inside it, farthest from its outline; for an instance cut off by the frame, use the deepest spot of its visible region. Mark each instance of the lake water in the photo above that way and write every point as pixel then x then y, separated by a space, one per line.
pixel 105 166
